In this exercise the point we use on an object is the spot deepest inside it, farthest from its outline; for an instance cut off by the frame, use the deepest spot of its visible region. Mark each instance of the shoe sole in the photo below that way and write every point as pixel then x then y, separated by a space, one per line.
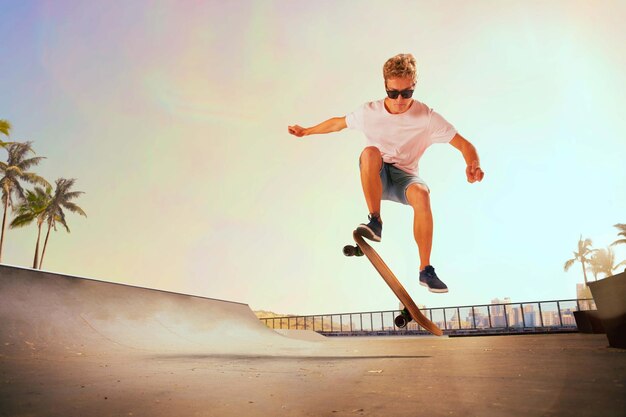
pixel 435 290
pixel 367 233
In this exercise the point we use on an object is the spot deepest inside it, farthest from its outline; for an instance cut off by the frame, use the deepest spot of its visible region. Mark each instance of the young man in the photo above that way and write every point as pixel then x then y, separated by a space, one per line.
pixel 398 131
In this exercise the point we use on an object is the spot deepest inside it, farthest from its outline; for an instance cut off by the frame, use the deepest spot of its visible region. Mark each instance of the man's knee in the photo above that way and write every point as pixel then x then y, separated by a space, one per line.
pixel 418 195
pixel 371 157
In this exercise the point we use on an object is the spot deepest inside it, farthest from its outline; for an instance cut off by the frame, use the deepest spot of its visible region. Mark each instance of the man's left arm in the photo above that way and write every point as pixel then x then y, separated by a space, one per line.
pixel 473 171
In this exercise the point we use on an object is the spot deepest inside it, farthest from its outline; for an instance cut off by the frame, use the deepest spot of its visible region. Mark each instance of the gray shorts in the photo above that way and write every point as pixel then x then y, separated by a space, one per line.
pixel 395 183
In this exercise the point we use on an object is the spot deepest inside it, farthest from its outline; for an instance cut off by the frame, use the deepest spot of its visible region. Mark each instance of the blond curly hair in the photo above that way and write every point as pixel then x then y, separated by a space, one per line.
pixel 400 66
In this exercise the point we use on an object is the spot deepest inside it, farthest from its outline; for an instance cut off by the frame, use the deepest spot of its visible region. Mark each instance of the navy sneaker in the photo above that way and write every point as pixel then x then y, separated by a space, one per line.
pixel 428 278
pixel 373 230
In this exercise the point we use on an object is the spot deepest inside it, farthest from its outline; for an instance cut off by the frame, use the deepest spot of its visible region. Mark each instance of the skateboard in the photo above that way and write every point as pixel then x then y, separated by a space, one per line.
pixel 410 311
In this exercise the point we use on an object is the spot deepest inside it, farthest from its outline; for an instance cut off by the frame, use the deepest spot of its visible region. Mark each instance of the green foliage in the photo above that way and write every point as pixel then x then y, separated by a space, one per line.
pixel 33 207
pixel 5 129
pixel 39 204
pixel 13 173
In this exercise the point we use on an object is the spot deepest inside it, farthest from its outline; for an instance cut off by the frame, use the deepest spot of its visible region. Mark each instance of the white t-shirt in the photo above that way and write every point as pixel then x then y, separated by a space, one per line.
pixel 401 138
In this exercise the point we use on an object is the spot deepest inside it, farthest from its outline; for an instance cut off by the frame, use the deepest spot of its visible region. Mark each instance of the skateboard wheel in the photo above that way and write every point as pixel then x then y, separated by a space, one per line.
pixel 349 250
pixel 400 321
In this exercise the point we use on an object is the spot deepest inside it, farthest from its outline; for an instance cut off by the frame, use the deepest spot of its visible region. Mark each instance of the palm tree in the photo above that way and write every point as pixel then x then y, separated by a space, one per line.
pixel 54 213
pixel 622 232
pixel 584 250
pixel 603 262
pixel 14 171
pixel 33 208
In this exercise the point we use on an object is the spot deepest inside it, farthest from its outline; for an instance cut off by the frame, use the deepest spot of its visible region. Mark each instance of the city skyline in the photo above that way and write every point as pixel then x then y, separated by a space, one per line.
pixel 499 315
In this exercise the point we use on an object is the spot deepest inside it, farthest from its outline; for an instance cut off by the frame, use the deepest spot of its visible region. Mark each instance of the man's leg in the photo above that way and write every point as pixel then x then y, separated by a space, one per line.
pixel 418 197
pixel 371 164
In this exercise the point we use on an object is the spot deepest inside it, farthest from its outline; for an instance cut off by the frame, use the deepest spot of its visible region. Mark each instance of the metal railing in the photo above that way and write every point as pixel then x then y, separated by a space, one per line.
pixel 535 316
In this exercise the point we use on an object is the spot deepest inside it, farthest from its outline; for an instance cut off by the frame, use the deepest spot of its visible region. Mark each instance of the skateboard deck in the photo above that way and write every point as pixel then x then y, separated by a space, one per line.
pixel 394 284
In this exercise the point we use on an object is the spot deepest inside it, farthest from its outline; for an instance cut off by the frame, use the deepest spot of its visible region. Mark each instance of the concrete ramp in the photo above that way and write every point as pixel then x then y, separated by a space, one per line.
pixel 44 313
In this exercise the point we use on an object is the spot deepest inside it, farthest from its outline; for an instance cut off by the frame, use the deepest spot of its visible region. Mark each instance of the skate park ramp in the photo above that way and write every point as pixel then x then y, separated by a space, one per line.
pixel 78 347
pixel 51 314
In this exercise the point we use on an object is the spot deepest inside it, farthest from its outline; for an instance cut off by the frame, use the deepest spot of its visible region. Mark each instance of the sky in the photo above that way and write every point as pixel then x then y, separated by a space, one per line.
pixel 172 116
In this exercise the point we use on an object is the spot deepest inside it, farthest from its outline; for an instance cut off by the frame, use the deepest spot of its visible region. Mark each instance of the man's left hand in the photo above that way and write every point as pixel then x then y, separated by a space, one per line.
pixel 474 173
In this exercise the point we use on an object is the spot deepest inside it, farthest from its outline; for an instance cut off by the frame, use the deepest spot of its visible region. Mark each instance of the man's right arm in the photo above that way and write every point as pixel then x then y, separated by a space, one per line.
pixel 331 125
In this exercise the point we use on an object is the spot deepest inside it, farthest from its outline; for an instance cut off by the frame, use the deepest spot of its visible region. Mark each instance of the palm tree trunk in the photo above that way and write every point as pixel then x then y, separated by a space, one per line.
pixel 584 271
pixel 4 221
pixel 45 245
pixel 36 260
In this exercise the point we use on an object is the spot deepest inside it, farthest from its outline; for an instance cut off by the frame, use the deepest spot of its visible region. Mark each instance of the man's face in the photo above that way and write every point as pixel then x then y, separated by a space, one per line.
pixel 394 85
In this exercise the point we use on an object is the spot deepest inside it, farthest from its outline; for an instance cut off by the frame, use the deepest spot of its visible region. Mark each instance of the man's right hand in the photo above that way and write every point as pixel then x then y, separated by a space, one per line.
pixel 331 125
pixel 296 130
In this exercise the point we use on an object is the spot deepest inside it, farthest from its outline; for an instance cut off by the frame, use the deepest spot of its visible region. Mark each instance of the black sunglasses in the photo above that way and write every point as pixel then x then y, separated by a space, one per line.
pixel 393 94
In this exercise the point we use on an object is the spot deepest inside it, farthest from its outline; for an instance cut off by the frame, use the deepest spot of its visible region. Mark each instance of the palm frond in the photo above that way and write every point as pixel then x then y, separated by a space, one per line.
pixel 18 190
pixel 29 163
pixel 74 208
pixel 60 218
pixel 568 264
pixel 22 221
pixel 73 195
pixel 5 127
pixel 18 150
pixel 35 179
pixel 13 171
pixel 622 229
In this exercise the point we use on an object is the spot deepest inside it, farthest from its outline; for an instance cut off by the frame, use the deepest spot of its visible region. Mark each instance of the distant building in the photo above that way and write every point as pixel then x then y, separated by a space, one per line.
pixel 500 313
pixel 583 292
pixel 568 317
pixel 531 316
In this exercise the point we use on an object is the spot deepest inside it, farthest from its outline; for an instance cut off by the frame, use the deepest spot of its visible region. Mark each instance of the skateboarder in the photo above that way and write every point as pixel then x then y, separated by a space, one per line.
pixel 398 130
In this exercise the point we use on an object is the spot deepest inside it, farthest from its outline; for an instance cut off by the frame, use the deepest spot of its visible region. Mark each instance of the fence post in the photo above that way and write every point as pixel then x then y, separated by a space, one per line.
pixel 506 316
pixel 473 318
